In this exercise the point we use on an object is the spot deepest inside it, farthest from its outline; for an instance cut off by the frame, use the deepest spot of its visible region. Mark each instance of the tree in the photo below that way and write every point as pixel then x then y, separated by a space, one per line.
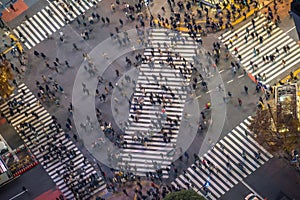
pixel 5 77
pixel 184 195
pixel 275 127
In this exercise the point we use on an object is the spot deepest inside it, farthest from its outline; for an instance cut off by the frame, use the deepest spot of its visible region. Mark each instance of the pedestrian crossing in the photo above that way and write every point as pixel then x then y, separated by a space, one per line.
pixel 68 168
pixel 157 105
pixel 231 160
pixel 255 56
pixel 50 19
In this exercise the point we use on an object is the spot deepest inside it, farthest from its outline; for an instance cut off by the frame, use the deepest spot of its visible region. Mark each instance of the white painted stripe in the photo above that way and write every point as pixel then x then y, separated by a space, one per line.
pixel 50 19
pixel 26 36
pixel 41 16
pixel 240 147
pixel 37 27
pixel 290 29
pixel 76 9
pixel 259 147
pixel 29 33
pixel 42 24
pixel 54 15
pixel 216 156
pixel 57 12
pixel 231 151
pixel 33 32
pixel 25 43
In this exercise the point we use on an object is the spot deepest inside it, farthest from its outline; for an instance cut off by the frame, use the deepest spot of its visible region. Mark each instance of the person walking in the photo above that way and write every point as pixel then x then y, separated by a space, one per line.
pixel 75 47
pixel 117 72
pixel 283 62
pixel 257 155
pixel 240 102
pixel 12 7
pixel 43 55
pixel 246 89
pixel 186 156
pixel 107 20
pixel 24 189
pixel 75 137
pixel 67 64
pixel 125 192
pixel 57 60
pixel 121 22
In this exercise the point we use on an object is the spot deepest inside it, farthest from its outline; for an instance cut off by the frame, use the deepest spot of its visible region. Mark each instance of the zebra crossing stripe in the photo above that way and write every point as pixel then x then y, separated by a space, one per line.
pixel 231 139
pixel 89 3
pixel 220 186
pixel 249 154
pixel 60 9
pixel 50 19
pixel 217 189
pixel 24 34
pixel 15 31
pixel 31 20
pixel 28 31
pixel 57 19
pixel 227 177
pixel 57 13
pixel 235 161
pixel 31 30
pixel 76 11
pixel 251 142
pixel 233 144
pixel 41 16
pixel 277 39
pixel 289 64
pixel 35 29
pixel 156 150
pixel 35 17
pixel 242 30
pixel 36 139
pixel 247 52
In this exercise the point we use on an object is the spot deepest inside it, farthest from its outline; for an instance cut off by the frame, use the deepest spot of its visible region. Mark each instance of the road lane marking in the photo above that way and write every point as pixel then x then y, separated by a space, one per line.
pixel 290 29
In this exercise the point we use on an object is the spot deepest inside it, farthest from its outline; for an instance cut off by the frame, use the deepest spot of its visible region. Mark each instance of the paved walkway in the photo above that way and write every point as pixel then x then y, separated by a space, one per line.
pixel 155 9
pixel 84 105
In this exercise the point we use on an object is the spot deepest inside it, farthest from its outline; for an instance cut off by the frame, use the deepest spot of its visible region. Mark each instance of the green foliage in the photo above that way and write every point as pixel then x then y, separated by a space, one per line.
pixel 184 195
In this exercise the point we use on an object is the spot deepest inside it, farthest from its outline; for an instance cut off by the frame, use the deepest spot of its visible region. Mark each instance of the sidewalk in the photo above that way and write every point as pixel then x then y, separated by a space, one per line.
pixel 130 188
pixel 214 16
pixel 9 14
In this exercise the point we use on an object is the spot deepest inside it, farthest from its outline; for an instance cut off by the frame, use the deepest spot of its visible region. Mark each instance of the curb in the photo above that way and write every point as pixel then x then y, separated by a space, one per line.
pixel 25 169
pixel 237 21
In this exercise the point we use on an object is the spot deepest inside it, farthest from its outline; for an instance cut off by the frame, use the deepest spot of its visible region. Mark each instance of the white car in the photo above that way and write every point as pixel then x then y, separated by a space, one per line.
pixel 3 147
pixel 251 196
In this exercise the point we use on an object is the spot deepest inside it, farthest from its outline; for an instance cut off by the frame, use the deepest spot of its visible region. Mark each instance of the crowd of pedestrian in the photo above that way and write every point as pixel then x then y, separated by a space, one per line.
pixel 183 14
pixel 216 16
pixel 55 150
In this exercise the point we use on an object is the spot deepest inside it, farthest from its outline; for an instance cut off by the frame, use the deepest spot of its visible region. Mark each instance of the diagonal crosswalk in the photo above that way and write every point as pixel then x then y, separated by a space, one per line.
pixel 158 103
pixel 50 19
pixel 72 173
pixel 231 160
pixel 255 56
